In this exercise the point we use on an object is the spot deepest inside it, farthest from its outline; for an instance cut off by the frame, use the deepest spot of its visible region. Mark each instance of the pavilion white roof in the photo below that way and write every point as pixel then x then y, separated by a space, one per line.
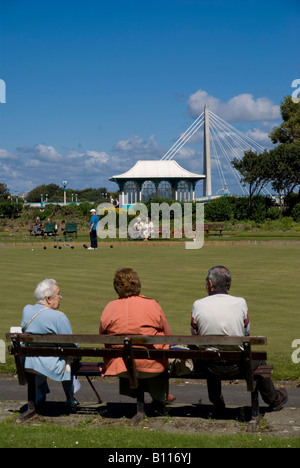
pixel 158 170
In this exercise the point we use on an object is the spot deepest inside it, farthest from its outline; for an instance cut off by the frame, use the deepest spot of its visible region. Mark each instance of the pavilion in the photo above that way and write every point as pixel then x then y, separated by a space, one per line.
pixel 149 179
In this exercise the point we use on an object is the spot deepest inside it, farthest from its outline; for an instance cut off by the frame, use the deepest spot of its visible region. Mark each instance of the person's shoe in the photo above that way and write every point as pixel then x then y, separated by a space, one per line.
pixel 72 402
pixel 219 406
pixel 157 408
pixel 91 248
pixel 280 400
pixel 170 399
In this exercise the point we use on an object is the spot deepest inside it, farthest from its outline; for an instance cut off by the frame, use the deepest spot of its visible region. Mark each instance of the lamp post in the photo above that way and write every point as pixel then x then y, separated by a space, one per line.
pixel 64 184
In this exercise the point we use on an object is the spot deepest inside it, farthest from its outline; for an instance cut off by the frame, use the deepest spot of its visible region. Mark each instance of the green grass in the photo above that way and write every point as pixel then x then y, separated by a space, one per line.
pixel 268 276
pixel 54 436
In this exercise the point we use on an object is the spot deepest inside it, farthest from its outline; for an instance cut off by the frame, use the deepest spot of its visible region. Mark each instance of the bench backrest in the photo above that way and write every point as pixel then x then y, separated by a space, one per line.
pixel 129 348
pixel 49 227
pixel 71 227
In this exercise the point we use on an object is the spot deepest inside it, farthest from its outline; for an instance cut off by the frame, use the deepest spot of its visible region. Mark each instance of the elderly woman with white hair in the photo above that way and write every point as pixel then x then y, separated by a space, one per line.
pixel 45 318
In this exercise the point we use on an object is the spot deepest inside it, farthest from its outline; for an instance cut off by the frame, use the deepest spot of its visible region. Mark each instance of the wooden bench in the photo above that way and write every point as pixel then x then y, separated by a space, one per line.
pixel 214 227
pixel 71 229
pixel 40 231
pixel 92 346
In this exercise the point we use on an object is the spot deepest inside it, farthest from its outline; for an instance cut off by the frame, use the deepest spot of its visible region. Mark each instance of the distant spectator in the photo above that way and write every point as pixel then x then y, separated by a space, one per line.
pixel 38 226
pixel 137 230
pixel 148 229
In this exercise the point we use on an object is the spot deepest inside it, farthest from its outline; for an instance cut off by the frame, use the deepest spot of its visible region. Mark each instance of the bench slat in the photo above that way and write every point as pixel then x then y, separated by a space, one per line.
pixel 141 339
pixel 139 353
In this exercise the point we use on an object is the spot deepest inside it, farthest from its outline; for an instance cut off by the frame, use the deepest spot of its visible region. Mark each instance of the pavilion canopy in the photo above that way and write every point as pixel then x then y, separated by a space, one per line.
pixel 161 178
pixel 157 170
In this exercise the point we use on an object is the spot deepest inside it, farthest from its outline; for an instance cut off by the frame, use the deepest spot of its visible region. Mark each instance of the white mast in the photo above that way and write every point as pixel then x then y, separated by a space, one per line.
pixel 207 192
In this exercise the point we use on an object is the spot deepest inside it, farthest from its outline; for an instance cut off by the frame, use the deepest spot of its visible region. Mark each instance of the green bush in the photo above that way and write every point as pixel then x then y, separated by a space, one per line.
pixel 10 210
pixel 273 213
pixel 240 207
pixel 258 209
pixel 296 213
pixel 218 210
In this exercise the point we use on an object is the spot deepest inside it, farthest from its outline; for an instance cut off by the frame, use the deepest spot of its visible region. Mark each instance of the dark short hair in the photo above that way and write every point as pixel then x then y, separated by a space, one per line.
pixel 220 277
pixel 127 283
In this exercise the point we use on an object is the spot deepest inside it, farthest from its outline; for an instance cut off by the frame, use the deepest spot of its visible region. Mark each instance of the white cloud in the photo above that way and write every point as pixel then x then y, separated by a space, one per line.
pixel 241 108
pixel 4 154
pixel 101 157
pixel 8 171
pixel 135 147
pixel 41 153
pixel 259 136
pixel 185 153
pixel 133 144
pixel 42 164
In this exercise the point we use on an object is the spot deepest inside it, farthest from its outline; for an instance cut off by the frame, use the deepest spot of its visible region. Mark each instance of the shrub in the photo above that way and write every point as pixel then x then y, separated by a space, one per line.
pixel 273 213
pixel 258 209
pixel 218 210
pixel 240 207
pixel 296 213
pixel 10 210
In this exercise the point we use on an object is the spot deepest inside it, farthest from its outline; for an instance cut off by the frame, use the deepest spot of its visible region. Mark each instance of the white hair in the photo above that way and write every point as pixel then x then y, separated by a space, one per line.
pixel 220 277
pixel 43 290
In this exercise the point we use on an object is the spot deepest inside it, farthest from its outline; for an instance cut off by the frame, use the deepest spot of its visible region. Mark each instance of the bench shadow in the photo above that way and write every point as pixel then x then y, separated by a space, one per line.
pixel 117 410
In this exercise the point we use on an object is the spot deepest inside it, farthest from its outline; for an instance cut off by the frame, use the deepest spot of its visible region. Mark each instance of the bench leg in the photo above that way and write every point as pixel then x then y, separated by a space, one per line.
pixel 252 425
pixel 140 414
pixel 94 389
pixel 31 392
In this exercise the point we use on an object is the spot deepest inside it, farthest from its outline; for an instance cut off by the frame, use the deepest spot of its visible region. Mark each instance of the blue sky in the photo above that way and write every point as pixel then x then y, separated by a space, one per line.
pixel 94 86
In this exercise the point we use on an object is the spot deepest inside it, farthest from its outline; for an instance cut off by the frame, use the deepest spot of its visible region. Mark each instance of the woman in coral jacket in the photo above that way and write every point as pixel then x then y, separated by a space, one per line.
pixel 134 314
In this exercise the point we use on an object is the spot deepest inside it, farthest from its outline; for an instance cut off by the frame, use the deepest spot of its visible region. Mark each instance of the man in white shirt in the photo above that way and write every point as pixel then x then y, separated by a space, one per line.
pixel 222 314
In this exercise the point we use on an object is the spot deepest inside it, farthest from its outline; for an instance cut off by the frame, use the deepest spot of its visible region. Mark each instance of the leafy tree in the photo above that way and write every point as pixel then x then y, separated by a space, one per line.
pixel 289 130
pixel 252 168
pixel 284 162
pixel 4 192
pixel 284 167
pixel 296 213
pixel 54 192
pixel 93 195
